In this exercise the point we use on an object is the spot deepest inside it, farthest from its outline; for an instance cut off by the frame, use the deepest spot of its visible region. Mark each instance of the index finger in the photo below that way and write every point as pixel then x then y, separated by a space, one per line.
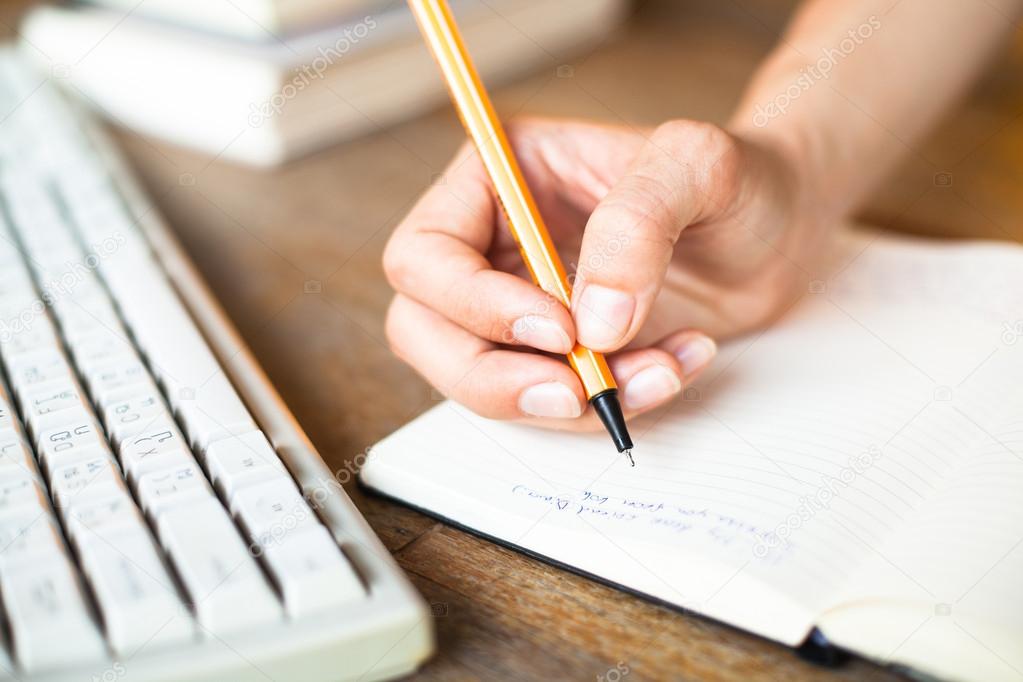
pixel 436 256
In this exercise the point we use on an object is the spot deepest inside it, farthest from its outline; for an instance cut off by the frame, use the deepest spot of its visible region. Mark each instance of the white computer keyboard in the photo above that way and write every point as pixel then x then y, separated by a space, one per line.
pixel 149 529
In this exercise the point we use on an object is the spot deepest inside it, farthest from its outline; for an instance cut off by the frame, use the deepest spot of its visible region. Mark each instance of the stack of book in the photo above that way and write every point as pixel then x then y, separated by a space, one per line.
pixel 264 81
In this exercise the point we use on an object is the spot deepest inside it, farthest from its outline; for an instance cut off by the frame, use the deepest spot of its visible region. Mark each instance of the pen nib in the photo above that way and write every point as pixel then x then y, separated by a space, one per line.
pixel 628 453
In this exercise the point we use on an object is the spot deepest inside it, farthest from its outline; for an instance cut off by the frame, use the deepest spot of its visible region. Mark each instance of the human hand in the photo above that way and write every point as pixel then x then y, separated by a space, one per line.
pixel 680 235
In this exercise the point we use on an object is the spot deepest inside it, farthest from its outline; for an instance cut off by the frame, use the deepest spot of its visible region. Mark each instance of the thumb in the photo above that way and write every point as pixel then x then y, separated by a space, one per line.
pixel 679 178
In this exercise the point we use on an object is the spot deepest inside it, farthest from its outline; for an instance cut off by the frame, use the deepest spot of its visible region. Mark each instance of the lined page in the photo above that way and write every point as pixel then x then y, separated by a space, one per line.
pixel 757 498
pixel 942 593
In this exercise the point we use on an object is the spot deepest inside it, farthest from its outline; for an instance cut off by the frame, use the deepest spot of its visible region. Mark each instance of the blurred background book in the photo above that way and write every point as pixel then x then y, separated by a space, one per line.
pixel 252 19
pixel 265 81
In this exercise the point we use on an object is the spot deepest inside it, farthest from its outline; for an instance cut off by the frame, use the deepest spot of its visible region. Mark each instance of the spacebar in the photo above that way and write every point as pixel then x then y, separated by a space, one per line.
pixel 193 381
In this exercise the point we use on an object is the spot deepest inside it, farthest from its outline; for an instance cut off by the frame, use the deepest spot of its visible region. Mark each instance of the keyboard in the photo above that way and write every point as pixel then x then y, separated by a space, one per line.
pixel 162 516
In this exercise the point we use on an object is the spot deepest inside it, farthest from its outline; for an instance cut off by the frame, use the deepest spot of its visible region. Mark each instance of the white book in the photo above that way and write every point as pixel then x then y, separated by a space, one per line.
pixel 265 103
pixel 855 469
pixel 251 19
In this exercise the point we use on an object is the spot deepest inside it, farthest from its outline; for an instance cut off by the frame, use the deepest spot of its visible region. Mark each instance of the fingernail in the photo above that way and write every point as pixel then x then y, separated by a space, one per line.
pixel 540 332
pixel 696 353
pixel 550 399
pixel 650 386
pixel 603 316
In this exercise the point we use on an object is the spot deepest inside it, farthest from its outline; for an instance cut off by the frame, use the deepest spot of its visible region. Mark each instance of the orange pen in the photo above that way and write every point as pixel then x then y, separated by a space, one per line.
pixel 481 123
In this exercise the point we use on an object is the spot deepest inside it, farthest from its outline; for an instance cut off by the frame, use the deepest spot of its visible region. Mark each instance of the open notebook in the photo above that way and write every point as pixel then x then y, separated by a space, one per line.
pixel 857 468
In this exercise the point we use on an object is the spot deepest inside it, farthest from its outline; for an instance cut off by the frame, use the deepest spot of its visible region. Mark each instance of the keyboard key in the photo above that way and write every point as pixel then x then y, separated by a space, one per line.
pixel 48 618
pixel 40 334
pixel 92 479
pixel 83 314
pixel 45 406
pixel 212 411
pixel 135 594
pixel 138 464
pixel 50 247
pixel 160 490
pixel 162 435
pixel 18 297
pixel 96 205
pixel 222 579
pixel 88 296
pixel 41 367
pixel 29 538
pixel 21 494
pixel 311 573
pixel 103 519
pixel 271 510
pixel 133 414
pixel 234 463
pixel 15 457
pixel 142 452
pixel 75 439
pixel 7 418
pixel 16 279
pixel 100 347
pixel 110 381
pixel 12 263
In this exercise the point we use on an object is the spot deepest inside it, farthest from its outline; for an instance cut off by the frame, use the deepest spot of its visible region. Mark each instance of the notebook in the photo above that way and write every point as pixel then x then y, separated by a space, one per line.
pixel 854 471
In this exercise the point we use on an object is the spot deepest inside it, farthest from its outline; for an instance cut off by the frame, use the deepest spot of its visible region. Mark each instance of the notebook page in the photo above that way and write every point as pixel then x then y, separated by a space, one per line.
pixel 942 593
pixel 755 499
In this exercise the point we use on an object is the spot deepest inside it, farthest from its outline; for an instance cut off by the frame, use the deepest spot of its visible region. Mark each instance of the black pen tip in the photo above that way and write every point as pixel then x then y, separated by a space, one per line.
pixel 609 410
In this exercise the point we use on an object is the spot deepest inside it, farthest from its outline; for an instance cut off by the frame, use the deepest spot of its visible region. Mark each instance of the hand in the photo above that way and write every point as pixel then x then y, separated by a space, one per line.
pixel 678 235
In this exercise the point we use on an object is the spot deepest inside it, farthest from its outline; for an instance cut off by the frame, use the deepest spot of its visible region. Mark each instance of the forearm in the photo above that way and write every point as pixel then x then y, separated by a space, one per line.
pixel 850 89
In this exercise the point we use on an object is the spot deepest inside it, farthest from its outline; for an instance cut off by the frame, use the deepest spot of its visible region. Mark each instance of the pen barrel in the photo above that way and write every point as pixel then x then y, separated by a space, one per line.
pixel 592 370
pixel 484 128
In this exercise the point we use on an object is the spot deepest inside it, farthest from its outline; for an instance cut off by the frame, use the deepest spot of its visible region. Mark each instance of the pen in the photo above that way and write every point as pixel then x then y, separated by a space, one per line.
pixel 481 123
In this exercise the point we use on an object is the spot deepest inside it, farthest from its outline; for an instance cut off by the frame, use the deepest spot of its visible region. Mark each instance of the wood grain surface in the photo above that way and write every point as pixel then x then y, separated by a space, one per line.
pixel 294 256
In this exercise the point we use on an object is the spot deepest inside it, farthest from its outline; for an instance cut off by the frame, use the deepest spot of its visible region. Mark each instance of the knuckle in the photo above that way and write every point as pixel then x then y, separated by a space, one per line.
pixel 525 126
pixel 706 157
pixel 526 136
pixel 392 328
pixel 398 267
pixel 501 331
pixel 476 392
pixel 674 131
pixel 690 135
pixel 465 151
pixel 477 309
pixel 517 124
pixel 627 220
pixel 474 309
pixel 640 210
pixel 654 196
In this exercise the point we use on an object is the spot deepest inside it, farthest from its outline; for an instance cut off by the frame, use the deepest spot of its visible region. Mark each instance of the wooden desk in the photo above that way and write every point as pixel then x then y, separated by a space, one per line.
pixel 294 255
